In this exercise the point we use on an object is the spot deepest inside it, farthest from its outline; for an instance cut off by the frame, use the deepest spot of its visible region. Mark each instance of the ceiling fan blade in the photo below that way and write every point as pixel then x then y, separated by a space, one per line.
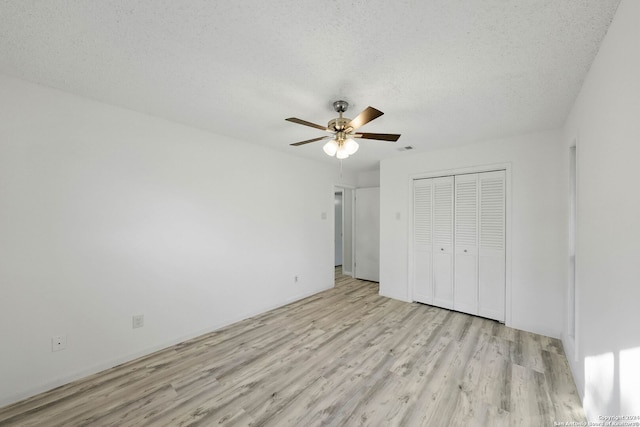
pixel 295 144
pixel 306 123
pixel 365 117
pixel 391 137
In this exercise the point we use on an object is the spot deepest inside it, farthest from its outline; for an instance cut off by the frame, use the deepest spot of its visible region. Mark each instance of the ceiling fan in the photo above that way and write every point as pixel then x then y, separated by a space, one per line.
pixel 342 143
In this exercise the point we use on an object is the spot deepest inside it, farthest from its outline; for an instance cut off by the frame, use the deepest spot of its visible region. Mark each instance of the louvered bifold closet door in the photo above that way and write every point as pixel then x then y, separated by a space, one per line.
pixel 423 240
pixel 466 244
pixel 443 242
pixel 491 250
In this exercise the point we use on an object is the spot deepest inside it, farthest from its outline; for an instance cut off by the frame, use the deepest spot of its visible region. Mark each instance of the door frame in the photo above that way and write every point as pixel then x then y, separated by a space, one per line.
pixel 462 171
pixel 339 191
pixel 571 342
pixel 339 188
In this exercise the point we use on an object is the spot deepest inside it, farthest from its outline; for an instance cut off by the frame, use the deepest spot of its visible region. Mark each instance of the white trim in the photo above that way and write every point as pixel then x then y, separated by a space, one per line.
pixel 569 342
pixel 410 252
pixel 341 188
pixel 576 263
pixel 461 171
pixel 508 290
pixel 338 190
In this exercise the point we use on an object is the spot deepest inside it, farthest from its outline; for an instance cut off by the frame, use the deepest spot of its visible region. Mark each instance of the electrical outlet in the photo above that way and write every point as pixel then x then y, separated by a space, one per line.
pixel 58 342
pixel 138 321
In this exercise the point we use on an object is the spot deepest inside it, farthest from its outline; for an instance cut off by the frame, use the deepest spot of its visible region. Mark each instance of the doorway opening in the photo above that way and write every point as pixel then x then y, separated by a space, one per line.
pixel 571 291
pixel 343 229
pixel 338 234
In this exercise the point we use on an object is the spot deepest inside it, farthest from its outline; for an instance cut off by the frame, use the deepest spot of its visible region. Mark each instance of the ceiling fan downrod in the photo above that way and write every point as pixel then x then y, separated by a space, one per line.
pixel 339 124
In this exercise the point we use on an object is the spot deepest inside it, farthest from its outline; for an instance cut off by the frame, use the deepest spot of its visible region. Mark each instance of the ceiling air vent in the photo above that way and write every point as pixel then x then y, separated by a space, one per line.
pixel 407 148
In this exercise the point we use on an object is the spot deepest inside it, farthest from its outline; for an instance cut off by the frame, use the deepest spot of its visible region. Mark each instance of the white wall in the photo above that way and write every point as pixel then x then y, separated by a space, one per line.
pixel 605 121
pixel 106 213
pixel 368 179
pixel 538 227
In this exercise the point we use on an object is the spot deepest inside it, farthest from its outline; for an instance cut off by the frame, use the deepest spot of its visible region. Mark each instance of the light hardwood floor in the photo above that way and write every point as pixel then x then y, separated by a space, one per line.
pixel 346 356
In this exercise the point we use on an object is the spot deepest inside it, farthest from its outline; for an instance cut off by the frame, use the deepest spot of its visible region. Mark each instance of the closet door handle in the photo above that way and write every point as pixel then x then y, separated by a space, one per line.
pixel 465 250
pixel 442 249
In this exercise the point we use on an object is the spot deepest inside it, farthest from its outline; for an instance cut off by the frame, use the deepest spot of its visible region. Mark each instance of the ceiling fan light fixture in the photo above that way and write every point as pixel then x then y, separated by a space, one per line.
pixel 331 147
pixel 351 146
pixel 342 153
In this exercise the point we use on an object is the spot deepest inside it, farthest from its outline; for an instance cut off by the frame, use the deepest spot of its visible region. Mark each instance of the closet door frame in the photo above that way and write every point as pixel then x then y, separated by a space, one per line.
pixel 463 171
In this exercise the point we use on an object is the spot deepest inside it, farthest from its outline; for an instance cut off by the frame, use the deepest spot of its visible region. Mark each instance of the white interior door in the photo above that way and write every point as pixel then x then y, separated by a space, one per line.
pixel 443 242
pixel 423 240
pixel 491 262
pixel 367 227
pixel 459 239
pixel 466 244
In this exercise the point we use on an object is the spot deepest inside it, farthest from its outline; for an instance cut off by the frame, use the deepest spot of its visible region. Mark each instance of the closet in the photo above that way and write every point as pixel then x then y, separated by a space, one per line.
pixel 459 243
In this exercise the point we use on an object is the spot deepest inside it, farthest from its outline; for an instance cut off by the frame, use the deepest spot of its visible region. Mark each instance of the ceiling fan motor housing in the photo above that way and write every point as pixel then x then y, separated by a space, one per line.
pixel 338 124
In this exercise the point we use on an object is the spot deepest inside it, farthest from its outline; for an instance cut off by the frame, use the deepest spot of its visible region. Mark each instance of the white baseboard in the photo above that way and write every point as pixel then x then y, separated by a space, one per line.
pixel 540 331
pixel 82 373
pixel 398 297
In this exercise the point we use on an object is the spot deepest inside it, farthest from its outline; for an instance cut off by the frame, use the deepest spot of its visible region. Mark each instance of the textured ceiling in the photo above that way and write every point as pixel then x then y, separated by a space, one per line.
pixel 444 72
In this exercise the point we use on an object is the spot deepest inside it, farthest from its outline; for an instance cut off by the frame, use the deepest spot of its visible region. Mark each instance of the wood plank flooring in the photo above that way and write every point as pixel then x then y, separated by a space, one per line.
pixel 344 357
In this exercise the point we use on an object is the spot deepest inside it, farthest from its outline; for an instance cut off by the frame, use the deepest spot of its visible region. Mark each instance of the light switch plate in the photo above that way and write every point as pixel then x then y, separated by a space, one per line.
pixel 138 321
